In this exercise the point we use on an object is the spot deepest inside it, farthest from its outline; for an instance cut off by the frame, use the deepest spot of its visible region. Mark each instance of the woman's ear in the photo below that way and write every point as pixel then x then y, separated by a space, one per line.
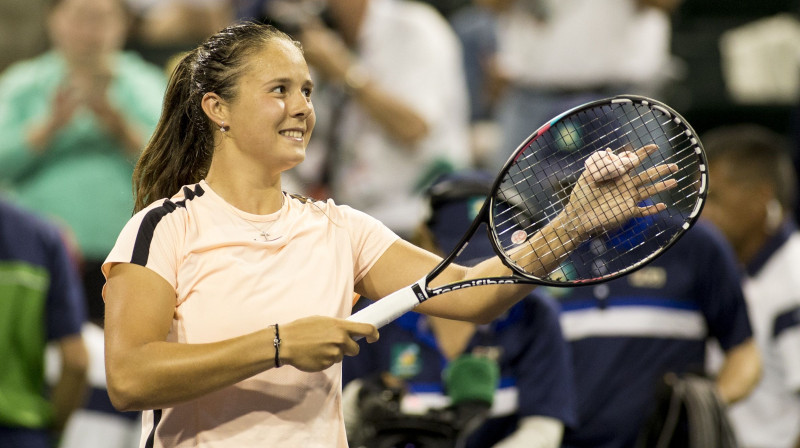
pixel 215 108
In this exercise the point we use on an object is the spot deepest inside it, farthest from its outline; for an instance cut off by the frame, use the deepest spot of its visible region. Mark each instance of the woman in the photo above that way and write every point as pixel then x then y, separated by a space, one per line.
pixel 210 292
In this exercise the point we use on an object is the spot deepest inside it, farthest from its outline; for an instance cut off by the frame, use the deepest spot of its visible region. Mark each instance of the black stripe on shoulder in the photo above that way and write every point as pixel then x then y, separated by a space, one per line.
pixel 151 438
pixel 141 248
pixel 190 194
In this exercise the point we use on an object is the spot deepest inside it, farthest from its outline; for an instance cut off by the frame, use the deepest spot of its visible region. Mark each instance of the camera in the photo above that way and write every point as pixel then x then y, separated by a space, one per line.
pixel 470 382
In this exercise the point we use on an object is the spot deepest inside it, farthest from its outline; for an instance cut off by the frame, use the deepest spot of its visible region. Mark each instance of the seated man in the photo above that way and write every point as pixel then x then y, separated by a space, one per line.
pixel 628 334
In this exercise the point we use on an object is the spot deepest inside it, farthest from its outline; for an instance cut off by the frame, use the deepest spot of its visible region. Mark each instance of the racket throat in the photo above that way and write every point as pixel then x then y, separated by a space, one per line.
pixel 419 291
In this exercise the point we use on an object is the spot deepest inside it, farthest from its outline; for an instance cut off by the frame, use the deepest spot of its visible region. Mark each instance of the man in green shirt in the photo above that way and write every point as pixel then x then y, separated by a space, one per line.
pixel 40 302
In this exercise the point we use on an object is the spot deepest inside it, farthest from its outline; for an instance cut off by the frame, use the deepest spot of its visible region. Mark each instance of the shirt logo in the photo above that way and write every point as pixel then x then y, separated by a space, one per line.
pixel 652 277
pixel 491 352
pixel 564 273
pixel 475 205
pixel 406 362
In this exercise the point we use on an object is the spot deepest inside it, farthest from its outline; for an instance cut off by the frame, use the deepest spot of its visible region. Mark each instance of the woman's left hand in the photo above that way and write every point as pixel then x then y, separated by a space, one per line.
pixel 597 204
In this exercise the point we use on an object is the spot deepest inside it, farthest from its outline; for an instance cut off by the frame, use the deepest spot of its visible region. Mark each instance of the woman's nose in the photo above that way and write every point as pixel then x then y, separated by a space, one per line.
pixel 300 105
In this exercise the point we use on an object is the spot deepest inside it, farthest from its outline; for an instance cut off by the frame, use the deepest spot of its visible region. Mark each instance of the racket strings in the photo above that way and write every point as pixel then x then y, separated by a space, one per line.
pixel 590 144
pixel 667 159
pixel 530 197
pixel 568 167
pixel 631 237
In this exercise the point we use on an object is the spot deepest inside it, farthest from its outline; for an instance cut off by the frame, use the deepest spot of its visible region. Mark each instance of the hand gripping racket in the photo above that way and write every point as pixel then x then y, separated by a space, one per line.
pixel 533 188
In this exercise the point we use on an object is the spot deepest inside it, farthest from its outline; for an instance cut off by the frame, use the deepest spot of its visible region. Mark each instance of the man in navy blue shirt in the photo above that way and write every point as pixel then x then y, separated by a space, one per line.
pixel 627 334
pixel 752 203
pixel 535 399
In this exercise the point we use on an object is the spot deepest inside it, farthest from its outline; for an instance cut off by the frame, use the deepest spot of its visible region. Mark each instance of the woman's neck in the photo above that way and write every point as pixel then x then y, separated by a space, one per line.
pixel 249 194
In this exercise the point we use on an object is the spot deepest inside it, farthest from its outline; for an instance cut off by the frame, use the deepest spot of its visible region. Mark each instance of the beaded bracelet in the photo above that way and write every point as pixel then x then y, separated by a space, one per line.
pixel 277 344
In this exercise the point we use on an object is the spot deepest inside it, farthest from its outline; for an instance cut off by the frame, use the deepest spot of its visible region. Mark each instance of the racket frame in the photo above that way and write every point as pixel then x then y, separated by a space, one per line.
pixel 405 299
pixel 484 216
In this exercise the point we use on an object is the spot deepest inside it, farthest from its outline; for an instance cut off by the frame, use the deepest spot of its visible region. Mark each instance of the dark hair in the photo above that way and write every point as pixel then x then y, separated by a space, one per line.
pixel 182 146
pixel 758 154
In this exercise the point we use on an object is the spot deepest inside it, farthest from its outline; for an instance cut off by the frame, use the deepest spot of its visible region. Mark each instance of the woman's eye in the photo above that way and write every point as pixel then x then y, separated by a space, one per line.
pixel 307 92
pixel 279 89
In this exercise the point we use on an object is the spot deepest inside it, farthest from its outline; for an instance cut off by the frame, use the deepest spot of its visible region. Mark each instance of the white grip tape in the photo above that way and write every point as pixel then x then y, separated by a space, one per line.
pixel 388 308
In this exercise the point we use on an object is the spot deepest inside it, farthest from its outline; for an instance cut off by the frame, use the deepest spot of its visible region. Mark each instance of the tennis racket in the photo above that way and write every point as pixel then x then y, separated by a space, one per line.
pixel 537 182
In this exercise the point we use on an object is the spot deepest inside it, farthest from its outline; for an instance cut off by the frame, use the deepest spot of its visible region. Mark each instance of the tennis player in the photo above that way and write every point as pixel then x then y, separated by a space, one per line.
pixel 226 297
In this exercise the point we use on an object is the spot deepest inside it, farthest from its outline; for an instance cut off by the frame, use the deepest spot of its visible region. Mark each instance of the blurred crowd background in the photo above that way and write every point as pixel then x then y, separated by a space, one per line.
pixel 483 75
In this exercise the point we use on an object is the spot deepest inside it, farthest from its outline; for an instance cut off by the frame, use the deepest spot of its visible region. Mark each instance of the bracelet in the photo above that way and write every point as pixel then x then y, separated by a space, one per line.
pixel 277 344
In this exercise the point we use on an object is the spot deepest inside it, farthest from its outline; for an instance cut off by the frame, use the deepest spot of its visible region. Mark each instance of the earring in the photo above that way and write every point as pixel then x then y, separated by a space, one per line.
pixel 223 128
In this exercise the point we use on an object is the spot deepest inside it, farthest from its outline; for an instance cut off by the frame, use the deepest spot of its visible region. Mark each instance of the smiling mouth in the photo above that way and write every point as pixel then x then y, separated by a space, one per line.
pixel 293 134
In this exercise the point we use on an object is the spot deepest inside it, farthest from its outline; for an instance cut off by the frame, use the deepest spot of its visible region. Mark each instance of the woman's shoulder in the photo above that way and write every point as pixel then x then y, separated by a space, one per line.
pixel 705 236
pixel 164 206
pixel 338 213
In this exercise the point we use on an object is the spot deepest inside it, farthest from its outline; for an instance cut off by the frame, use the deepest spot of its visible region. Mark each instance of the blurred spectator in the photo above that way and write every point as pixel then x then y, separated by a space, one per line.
pixel 22 30
pixel 74 121
pixel 794 149
pixel 535 398
pixel 403 114
pixel 556 54
pixel 760 60
pixel 626 335
pixel 476 26
pixel 180 22
pixel 40 301
pixel 751 199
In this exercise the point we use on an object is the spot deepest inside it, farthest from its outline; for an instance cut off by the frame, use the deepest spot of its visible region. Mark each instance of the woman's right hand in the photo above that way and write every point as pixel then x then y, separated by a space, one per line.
pixel 315 343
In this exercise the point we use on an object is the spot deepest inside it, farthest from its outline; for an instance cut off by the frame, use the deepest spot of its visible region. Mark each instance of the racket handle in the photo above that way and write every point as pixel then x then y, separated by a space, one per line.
pixel 388 308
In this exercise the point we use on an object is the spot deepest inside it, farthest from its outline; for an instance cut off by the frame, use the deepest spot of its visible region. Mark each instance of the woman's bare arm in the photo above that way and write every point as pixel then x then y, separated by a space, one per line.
pixel 144 371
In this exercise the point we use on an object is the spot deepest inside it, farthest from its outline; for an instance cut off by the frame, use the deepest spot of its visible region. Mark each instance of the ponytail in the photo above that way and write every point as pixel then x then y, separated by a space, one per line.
pixel 180 150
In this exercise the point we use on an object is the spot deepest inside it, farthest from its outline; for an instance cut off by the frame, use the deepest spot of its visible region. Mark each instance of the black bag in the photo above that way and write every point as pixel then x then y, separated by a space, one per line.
pixel 689 414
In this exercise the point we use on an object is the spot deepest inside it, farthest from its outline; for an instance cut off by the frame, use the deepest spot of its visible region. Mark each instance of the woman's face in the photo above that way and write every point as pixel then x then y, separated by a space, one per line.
pixel 271 117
